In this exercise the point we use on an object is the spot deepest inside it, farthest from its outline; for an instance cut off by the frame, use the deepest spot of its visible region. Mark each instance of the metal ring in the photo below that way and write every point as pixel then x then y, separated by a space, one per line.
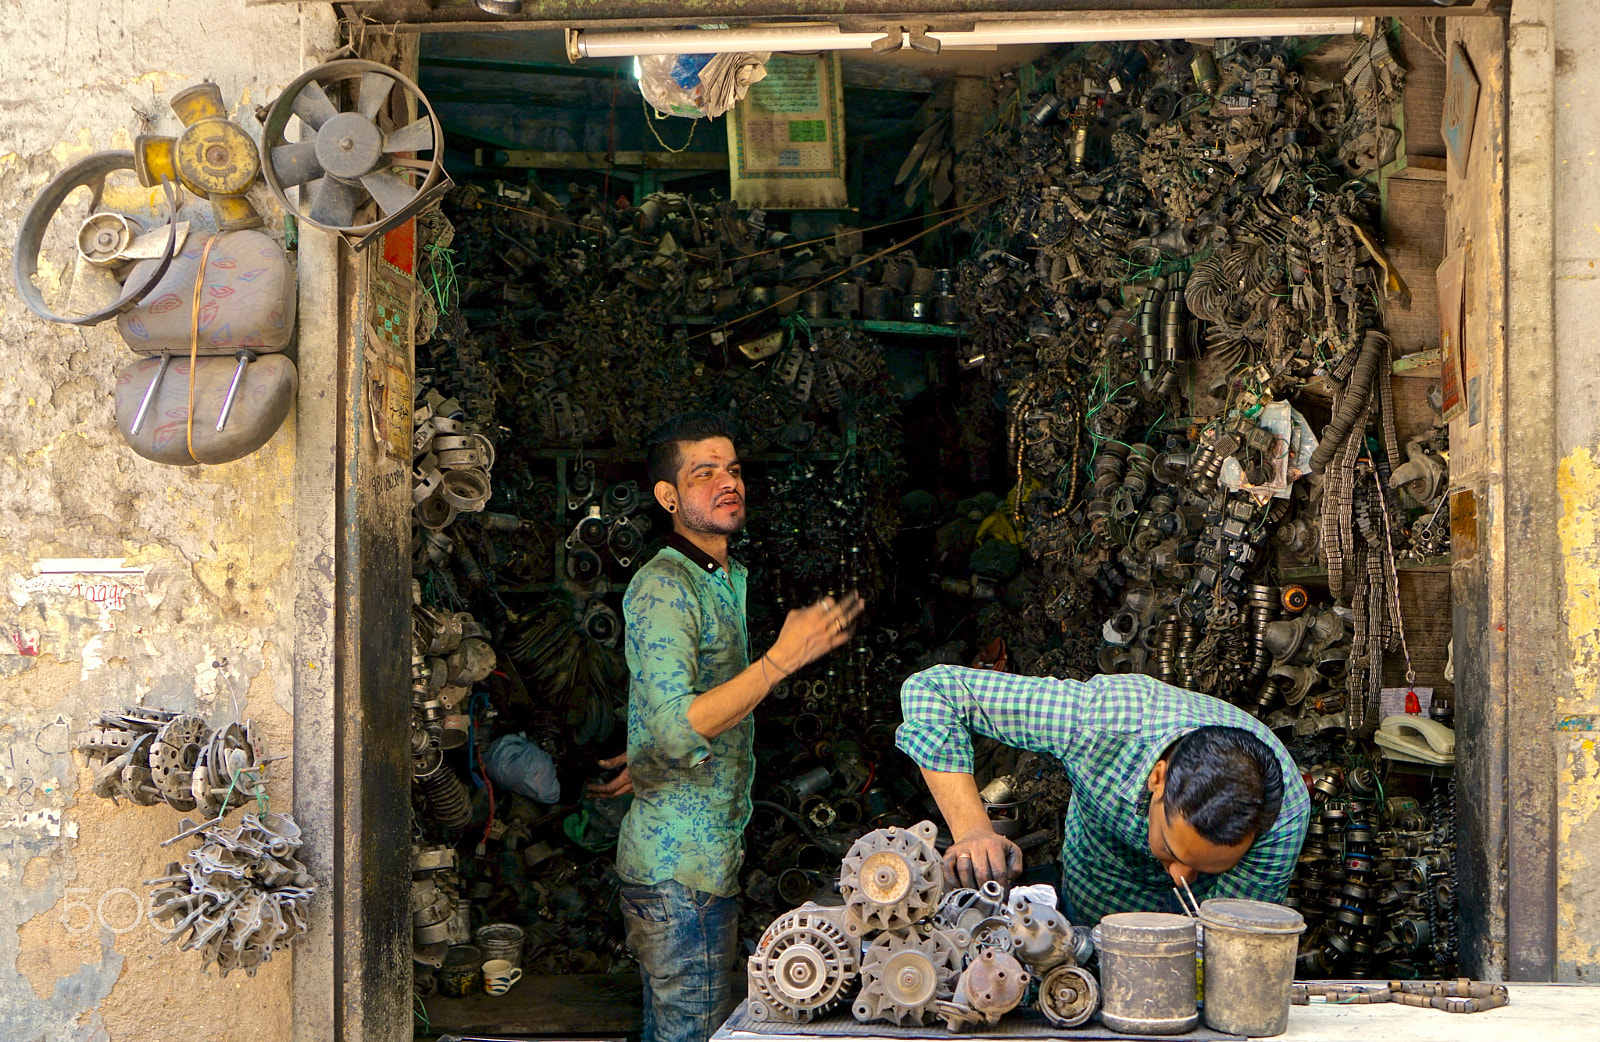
pixel 465 489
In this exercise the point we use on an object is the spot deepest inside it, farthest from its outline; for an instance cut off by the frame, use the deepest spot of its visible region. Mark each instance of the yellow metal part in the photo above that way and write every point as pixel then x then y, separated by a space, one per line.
pixel 155 158
pixel 234 213
pixel 202 101
pixel 216 157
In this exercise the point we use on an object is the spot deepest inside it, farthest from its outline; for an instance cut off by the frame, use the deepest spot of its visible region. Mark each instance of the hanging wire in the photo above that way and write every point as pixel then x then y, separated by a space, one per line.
pixel 650 117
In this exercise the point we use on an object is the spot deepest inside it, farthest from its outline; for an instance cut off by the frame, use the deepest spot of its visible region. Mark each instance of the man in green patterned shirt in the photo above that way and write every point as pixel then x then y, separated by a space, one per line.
pixel 690 761
pixel 1168 786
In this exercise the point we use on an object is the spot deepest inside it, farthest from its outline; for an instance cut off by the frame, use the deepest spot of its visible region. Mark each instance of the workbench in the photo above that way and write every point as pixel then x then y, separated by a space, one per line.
pixel 1537 1013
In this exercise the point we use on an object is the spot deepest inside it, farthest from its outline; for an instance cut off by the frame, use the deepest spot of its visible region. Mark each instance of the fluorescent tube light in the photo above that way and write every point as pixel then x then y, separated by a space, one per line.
pixel 590 43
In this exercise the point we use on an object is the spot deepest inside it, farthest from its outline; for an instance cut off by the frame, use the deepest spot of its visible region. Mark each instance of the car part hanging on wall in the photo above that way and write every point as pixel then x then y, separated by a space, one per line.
pixel 226 299
pixel 350 159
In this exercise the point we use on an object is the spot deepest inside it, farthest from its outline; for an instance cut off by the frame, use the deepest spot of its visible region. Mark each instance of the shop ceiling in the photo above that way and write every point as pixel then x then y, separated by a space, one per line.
pixel 465 15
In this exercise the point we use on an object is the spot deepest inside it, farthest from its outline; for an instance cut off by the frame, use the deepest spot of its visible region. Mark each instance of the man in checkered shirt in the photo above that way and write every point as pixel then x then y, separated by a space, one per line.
pixel 1168 786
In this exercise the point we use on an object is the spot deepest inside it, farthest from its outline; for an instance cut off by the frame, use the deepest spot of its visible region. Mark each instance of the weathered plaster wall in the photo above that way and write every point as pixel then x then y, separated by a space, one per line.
pixel 1476 225
pixel 207 627
pixel 1576 32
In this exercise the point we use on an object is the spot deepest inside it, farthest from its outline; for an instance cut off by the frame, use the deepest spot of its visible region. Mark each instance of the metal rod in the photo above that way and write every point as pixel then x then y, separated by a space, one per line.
pixel 150 393
pixel 245 358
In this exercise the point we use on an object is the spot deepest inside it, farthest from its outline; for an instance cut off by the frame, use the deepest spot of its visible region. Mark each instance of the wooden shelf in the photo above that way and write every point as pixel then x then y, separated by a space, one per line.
pixel 1440 564
pixel 870 325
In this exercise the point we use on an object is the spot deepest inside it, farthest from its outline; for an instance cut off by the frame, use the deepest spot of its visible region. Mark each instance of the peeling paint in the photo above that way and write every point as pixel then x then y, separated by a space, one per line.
pixel 1578 772
pixel 199 630
pixel 1578 482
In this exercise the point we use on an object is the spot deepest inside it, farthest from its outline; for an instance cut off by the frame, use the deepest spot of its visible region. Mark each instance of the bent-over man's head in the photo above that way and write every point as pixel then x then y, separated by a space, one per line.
pixel 1212 793
pixel 695 474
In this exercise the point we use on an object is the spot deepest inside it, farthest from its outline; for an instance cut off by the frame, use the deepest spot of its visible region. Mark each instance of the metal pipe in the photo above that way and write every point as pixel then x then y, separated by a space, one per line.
pixel 150 393
pixel 589 43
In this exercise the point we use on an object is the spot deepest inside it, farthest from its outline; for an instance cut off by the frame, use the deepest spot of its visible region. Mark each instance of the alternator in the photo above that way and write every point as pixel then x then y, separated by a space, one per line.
pixel 905 975
pixel 805 963
pixel 892 877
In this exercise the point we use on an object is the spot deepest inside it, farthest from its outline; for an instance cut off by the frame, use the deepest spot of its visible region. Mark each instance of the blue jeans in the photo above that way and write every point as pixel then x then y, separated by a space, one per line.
pixel 685 941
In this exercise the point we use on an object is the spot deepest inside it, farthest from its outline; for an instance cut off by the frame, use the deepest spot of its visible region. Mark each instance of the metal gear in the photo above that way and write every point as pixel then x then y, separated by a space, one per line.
pixel 892 877
pixel 905 975
pixel 1068 996
pixel 805 963
pixel 173 756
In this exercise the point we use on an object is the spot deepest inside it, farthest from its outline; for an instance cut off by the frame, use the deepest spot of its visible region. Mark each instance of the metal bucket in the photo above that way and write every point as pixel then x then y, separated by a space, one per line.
pixel 500 941
pixel 1249 965
pixel 1147 973
pixel 458 976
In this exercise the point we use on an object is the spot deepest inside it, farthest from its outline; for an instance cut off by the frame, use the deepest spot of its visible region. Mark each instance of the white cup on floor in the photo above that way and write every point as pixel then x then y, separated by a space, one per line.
pixel 499 975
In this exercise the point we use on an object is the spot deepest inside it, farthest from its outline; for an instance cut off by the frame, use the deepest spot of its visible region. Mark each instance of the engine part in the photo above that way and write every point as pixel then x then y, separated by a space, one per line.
pixel 892 877
pixel 903 976
pixel 240 896
pixel 446 796
pixel 350 158
pixel 1069 996
pixel 992 985
pixel 92 173
pixel 805 964
pixel 1041 938
pixel 214 157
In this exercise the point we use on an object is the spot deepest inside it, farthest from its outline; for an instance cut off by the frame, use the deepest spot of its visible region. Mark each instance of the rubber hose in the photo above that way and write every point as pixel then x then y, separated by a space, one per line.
pixel 1357 391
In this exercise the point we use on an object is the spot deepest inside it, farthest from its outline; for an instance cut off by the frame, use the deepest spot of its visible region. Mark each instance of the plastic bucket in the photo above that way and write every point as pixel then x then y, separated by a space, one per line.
pixel 500 941
pixel 1147 973
pixel 1249 965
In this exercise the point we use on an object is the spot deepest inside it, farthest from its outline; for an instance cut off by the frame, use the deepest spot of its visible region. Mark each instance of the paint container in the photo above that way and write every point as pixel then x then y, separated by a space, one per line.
pixel 1249 965
pixel 1147 973
pixel 458 975
pixel 500 941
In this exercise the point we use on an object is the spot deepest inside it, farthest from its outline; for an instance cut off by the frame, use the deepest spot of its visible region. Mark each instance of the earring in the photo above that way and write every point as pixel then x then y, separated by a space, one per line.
pixel 672 509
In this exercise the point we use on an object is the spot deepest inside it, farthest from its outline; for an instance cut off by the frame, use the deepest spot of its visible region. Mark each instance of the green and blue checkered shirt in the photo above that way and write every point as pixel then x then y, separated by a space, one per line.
pixel 1108 732
pixel 686 634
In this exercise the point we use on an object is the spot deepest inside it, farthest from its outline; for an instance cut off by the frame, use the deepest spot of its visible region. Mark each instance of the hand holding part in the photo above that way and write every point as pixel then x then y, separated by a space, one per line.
pixel 620 785
pixel 810 633
pixel 977 857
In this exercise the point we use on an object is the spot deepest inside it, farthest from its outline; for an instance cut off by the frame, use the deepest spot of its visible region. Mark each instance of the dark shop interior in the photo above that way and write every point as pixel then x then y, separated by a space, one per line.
pixel 1100 358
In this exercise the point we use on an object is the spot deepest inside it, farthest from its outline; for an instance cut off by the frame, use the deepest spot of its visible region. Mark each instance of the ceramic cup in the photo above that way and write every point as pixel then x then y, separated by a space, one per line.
pixel 499 975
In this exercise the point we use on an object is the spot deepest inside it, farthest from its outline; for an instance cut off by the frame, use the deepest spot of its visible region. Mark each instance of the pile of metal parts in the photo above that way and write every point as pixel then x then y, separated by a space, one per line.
pixel 1177 271
pixel 450 468
pixel 1452 996
pixel 1174 289
pixel 151 756
pixel 242 893
pixel 449 655
pixel 589 295
pixel 904 950
pixel 1377 880
pixel 238 897
pixel 435 904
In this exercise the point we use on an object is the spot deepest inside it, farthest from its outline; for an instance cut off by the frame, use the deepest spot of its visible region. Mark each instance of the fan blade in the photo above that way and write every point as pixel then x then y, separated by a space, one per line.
pixel 333 202
pixel 312 106
pixel 413 137
pixel 390 190
pixel 296 164
pixel 375 87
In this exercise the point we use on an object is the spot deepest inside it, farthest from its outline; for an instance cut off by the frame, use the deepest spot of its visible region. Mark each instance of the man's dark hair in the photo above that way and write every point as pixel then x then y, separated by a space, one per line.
pixel 1225 782
pixel 664 454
